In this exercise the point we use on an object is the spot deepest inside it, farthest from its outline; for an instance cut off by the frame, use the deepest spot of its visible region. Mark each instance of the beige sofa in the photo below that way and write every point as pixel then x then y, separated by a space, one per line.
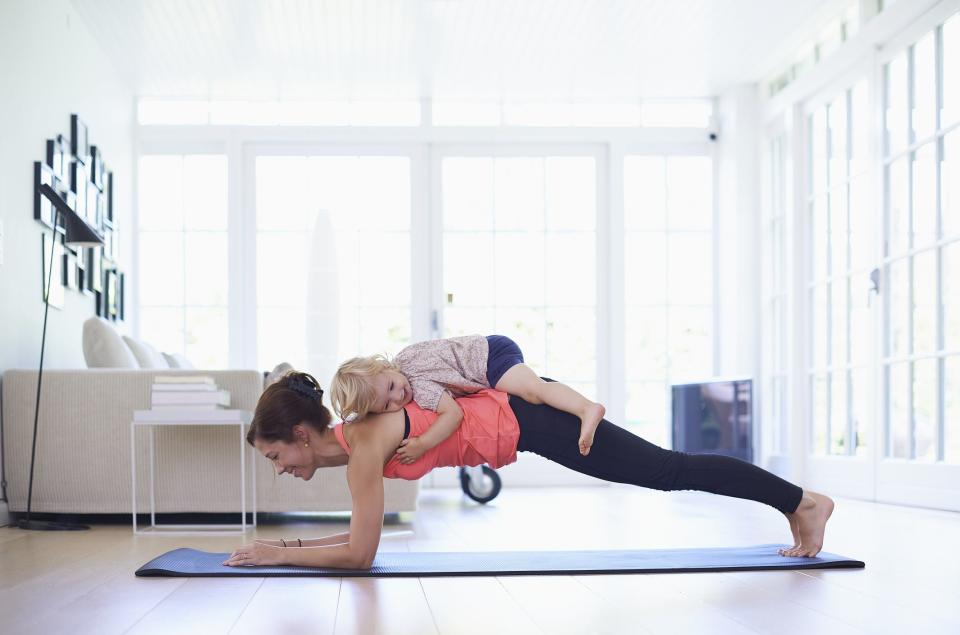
pixel 83 451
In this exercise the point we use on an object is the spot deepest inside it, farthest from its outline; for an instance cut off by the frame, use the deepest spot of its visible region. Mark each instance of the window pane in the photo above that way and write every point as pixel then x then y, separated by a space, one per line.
pixel 860 408
pixel 161 268
pixel 281 337
pixel 206 341
pixel 646 343
pixel 838 413
pixel 205 192
pixel 382 285
pixel 645 265
pixel 862 218
pixel 925 302
pixel 470 321
pixel 518 193
pixel 861 331
pixel 519 267
pixel 951 414
pixel 468 193
pixel 924 115
pixel 644 193
pixel 384 207
pixel 925 196
pixel 950 183
pixel 819 235
pixel 898 286
pixel 838 231
pixel 896 101
pixel 951 297
pixel 384 330
pixel 467 274
pixel 860 129
pixel 838 324
pixel 280 204
pixel 528 328
pixel 160 195
pixel 951 71
pixel 898 226
pixel 689 343
pixel 281 269
pixel 898 394
pixel 647 409
pixel 206 264
pixel 925 391
pixel 819 315
pixel 688 113
pixel 571 277
pixel 691 268
pixel 571 193
pixel 818 155
pixel 689 193
pixel 837 123
pixel 163 328
pixel 820 413
pixel 571 344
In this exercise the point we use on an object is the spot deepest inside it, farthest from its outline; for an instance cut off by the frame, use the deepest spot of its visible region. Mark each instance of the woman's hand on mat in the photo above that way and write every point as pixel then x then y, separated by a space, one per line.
pixel 256 553
pixel 411 449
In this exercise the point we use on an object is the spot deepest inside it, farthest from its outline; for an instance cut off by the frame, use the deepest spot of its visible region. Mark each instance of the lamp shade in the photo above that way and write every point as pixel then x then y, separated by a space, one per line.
pixel 79 232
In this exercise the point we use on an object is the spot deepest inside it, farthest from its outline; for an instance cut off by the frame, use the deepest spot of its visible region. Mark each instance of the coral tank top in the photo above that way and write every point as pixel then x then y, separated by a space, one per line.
pixel 488 434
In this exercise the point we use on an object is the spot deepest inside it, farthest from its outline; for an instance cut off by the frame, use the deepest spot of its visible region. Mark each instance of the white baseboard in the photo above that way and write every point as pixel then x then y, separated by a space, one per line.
pixel 4 515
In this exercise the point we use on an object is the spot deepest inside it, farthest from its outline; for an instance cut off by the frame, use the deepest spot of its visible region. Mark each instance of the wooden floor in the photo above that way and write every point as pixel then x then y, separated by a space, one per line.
pixel 84 583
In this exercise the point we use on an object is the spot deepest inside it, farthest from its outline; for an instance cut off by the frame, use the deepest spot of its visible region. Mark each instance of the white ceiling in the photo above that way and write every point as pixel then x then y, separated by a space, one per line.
pixel 475 49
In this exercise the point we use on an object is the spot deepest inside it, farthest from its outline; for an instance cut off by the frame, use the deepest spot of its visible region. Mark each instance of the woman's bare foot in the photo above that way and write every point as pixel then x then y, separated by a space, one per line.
pixel 811 518
pixel 794 529
pixel 588 426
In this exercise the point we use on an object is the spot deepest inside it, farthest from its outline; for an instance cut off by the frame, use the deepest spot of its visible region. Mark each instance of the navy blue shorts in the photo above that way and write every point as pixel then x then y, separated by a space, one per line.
pixel 503 355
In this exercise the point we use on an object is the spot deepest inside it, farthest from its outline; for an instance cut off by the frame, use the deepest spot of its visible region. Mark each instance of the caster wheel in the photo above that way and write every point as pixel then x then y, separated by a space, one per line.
pixel 483 491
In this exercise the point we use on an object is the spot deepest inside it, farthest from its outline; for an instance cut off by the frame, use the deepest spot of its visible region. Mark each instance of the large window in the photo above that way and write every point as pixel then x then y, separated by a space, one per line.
pixel 922 248
pixel 333 268
pixel 519 258
pixel 775 370
pixel 182 256
pixel 668 282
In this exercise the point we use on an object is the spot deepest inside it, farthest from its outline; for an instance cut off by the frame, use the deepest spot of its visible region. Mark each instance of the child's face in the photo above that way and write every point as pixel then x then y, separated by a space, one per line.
pixel 393 391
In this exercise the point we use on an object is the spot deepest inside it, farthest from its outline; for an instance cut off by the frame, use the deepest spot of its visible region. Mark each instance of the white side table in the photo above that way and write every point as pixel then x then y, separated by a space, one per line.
pixel 151 419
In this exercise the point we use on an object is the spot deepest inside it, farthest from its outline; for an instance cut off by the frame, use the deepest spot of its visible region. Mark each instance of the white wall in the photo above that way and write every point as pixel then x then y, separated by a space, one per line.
pixel 50 67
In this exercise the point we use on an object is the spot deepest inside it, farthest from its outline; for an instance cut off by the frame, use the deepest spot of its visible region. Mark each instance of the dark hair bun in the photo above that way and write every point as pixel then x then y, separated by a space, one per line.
pixel 303 384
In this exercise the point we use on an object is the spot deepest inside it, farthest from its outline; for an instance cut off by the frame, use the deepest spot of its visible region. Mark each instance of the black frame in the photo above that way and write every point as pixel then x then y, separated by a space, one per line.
pixel 79 139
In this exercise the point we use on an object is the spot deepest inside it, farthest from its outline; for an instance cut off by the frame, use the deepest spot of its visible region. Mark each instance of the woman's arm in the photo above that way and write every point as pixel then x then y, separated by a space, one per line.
pixel 449 418
pixel 365 478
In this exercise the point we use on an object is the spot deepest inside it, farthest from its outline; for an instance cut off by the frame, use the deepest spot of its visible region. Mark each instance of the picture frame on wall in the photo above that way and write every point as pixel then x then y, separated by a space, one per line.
pixel 93 204
pixel 121 290
pixel 80 144
pixel 42 206
pixel 57 149
pixel 111 303
pixel 69 269
pixel 94 270
pixel 56 281
pixel 96 166
pixel 108 180
pixel 82 258
pixel 98 299
pixel 78 185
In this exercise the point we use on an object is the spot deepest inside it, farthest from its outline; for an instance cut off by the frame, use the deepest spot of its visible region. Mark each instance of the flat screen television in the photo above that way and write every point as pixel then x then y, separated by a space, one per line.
pixel 714 417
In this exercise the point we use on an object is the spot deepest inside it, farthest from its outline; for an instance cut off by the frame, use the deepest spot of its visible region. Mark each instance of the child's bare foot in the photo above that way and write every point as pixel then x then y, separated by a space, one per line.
pixel 588 426
pixel 811 517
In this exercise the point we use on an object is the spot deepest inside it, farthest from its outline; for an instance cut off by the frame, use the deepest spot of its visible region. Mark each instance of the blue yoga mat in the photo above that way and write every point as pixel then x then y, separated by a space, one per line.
pixel 193 563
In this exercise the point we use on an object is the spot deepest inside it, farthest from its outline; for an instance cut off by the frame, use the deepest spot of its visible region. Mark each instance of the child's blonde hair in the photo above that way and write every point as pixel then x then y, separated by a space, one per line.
pixel 351 392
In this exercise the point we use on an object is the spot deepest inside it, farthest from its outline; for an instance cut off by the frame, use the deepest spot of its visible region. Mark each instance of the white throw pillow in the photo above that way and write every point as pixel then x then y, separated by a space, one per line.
pixel 176 360
pixel 104 348
pixel 147 356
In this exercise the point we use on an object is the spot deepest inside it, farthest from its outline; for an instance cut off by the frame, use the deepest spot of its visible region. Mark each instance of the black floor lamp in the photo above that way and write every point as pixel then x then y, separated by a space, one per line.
pixel 79 234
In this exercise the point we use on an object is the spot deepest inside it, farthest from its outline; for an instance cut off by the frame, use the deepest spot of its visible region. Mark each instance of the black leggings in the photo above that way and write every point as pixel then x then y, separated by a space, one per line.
pixel 623 457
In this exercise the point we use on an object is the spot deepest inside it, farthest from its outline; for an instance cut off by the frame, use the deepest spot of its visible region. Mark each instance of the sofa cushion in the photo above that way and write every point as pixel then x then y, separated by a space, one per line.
pixel 147 356
pixel 176 360
pixel 104 348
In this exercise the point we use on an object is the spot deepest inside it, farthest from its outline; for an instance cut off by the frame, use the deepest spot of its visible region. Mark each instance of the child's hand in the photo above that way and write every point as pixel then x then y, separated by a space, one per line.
pixel 410 450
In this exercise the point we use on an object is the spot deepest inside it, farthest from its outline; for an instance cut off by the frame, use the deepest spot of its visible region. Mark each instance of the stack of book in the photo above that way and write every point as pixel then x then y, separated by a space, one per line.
pixel 195 397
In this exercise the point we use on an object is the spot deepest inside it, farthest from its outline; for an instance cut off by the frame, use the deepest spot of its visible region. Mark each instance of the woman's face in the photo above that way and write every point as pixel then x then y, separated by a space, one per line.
pixel 393 391
pixel 290 458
